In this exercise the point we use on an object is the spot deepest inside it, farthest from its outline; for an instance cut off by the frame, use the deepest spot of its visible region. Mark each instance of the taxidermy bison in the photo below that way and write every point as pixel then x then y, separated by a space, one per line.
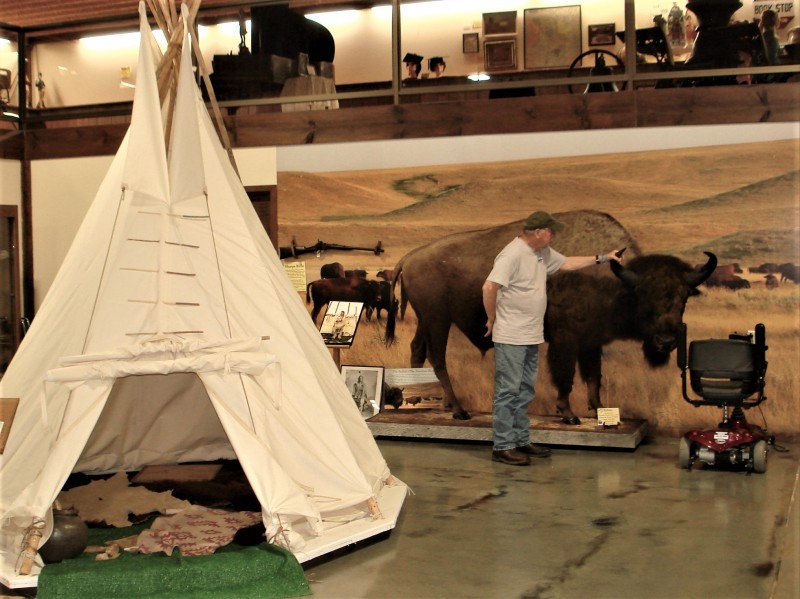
pixel 587 309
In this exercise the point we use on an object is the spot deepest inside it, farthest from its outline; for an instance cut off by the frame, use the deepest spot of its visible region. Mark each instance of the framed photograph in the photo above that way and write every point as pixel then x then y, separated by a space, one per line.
pixel 338 328
pixel 552 36
pixel 470 43
pixel 500 23
pixel 602 35
pixel 365 384
pixel 500 55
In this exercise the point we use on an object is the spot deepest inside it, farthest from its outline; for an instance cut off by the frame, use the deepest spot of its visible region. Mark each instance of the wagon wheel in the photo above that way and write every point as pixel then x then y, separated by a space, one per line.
pixel 760 457
pixel 597 55
pixel 685 453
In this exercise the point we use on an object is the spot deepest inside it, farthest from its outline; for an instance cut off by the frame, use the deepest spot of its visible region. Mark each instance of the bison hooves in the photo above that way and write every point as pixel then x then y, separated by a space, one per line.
pixel 461 415
pixel 570 420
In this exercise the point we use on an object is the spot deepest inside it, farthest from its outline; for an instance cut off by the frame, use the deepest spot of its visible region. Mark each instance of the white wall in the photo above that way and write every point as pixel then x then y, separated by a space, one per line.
pixel 63 189
pixel 521 146
pixel 90 70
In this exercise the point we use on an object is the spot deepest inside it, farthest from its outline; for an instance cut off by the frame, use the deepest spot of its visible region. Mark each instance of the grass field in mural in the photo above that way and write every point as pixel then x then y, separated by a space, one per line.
pixel 740 202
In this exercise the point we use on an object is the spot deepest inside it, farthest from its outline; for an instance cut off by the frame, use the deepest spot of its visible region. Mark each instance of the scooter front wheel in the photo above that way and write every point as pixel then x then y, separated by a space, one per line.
pixel 685 453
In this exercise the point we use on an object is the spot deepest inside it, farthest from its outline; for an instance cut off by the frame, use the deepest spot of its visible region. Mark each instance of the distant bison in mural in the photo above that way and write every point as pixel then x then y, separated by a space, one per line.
pixel 323 291
pixel 724 276
pixel 789 272
pixel 334 270
pixel 587 309
pixel 771 281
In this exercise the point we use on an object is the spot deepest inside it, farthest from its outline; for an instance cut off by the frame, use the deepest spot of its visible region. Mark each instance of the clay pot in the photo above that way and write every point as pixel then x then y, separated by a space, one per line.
pixel 69 538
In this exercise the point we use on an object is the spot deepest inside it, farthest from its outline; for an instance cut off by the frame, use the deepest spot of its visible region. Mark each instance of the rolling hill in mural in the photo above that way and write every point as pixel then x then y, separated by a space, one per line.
pixel 673 201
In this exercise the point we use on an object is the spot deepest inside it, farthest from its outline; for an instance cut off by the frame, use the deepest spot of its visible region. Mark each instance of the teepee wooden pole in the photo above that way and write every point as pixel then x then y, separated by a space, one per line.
pixel 164 13
pixel 155 10
pixel 223 131
pixel 173 12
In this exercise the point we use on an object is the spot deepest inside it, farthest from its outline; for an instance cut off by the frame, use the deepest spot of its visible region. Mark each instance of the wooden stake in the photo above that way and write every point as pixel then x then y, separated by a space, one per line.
pixel 30 546
pixel 374 509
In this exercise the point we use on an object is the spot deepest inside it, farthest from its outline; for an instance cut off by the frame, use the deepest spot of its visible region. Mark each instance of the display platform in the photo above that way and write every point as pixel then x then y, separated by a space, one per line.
pixel 548 430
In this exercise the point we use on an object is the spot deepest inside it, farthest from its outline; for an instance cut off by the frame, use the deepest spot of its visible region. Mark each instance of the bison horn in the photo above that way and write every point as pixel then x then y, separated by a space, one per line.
pixel 701 274
pixel 627 276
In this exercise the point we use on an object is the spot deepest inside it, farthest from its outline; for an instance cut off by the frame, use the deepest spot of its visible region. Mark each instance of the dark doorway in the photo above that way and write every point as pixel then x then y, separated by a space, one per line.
pixel 265 201
pixel 10 324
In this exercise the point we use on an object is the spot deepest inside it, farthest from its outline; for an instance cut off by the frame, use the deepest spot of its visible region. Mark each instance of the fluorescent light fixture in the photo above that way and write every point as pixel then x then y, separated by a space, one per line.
pixel 427 10
pixel 231 28
pixel 335 18
pixel 382 12
pixel 111 42
pixel 118 41
pixel 478 77
pixel 13 115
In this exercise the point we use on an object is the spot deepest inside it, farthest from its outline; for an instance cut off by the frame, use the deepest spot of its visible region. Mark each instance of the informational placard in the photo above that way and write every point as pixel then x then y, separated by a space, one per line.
pixel 400 377
pixel 297 274
pixel 608 416
pixel 419 389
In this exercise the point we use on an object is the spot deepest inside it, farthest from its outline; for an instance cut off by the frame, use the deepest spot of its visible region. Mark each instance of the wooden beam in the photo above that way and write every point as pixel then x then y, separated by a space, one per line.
pixel 555 112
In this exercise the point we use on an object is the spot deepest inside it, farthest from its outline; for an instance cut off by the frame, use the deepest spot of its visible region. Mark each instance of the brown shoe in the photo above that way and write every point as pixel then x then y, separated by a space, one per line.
pixel 534 450
pixel 511 456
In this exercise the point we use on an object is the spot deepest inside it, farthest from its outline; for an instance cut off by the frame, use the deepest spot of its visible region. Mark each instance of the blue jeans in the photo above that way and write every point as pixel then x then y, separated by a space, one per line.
pixel 514 375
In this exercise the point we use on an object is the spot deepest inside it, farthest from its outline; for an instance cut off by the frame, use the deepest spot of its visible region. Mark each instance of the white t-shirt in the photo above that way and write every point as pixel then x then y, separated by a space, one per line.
pixel 522 273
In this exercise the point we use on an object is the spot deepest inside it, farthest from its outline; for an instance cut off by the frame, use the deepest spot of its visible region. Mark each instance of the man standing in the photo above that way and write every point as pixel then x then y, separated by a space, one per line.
pixel 515 299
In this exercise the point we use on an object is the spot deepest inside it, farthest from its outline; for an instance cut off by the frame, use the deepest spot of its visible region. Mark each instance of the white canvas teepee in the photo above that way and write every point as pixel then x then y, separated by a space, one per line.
pixel 172 333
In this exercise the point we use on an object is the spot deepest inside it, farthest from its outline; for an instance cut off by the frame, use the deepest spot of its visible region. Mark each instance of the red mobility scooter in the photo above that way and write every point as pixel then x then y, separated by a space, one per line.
pixel 727 373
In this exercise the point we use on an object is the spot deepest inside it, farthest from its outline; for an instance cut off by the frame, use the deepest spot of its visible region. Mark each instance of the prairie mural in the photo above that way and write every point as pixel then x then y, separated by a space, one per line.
pixel 740 202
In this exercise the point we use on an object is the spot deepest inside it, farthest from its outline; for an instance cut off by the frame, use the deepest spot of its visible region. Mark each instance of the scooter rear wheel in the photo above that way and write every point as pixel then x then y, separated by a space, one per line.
pixel 760 456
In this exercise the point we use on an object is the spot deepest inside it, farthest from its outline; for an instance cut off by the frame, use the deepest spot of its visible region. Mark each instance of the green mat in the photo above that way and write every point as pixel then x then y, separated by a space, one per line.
pixel 235 572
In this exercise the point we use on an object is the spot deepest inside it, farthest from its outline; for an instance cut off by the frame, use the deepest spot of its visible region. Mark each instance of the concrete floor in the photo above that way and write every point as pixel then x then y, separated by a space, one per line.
pixel 586 523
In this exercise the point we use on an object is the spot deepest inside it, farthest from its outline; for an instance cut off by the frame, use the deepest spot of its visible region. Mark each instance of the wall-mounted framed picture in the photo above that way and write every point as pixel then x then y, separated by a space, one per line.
pixel 602 35
pixel 338 328
pixel 500 23
pixel 500 55
pixel 365 384
pixel 470 43
pixel 552 36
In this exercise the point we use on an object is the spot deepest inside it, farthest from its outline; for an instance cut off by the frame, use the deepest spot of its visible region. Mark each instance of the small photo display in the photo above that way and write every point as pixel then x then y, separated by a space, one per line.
pixel 338 328
pixel 365 384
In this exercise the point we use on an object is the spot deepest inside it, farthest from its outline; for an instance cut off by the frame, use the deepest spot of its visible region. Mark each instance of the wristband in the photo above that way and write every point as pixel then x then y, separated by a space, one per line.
pixel 603 259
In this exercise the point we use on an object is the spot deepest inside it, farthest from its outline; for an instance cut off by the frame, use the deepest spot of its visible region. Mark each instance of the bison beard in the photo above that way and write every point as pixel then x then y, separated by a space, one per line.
pixel 587 309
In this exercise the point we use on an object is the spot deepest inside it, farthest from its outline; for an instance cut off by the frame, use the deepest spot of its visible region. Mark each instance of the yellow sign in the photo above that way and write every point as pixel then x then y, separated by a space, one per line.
pixel 297 274
pixel 608 416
